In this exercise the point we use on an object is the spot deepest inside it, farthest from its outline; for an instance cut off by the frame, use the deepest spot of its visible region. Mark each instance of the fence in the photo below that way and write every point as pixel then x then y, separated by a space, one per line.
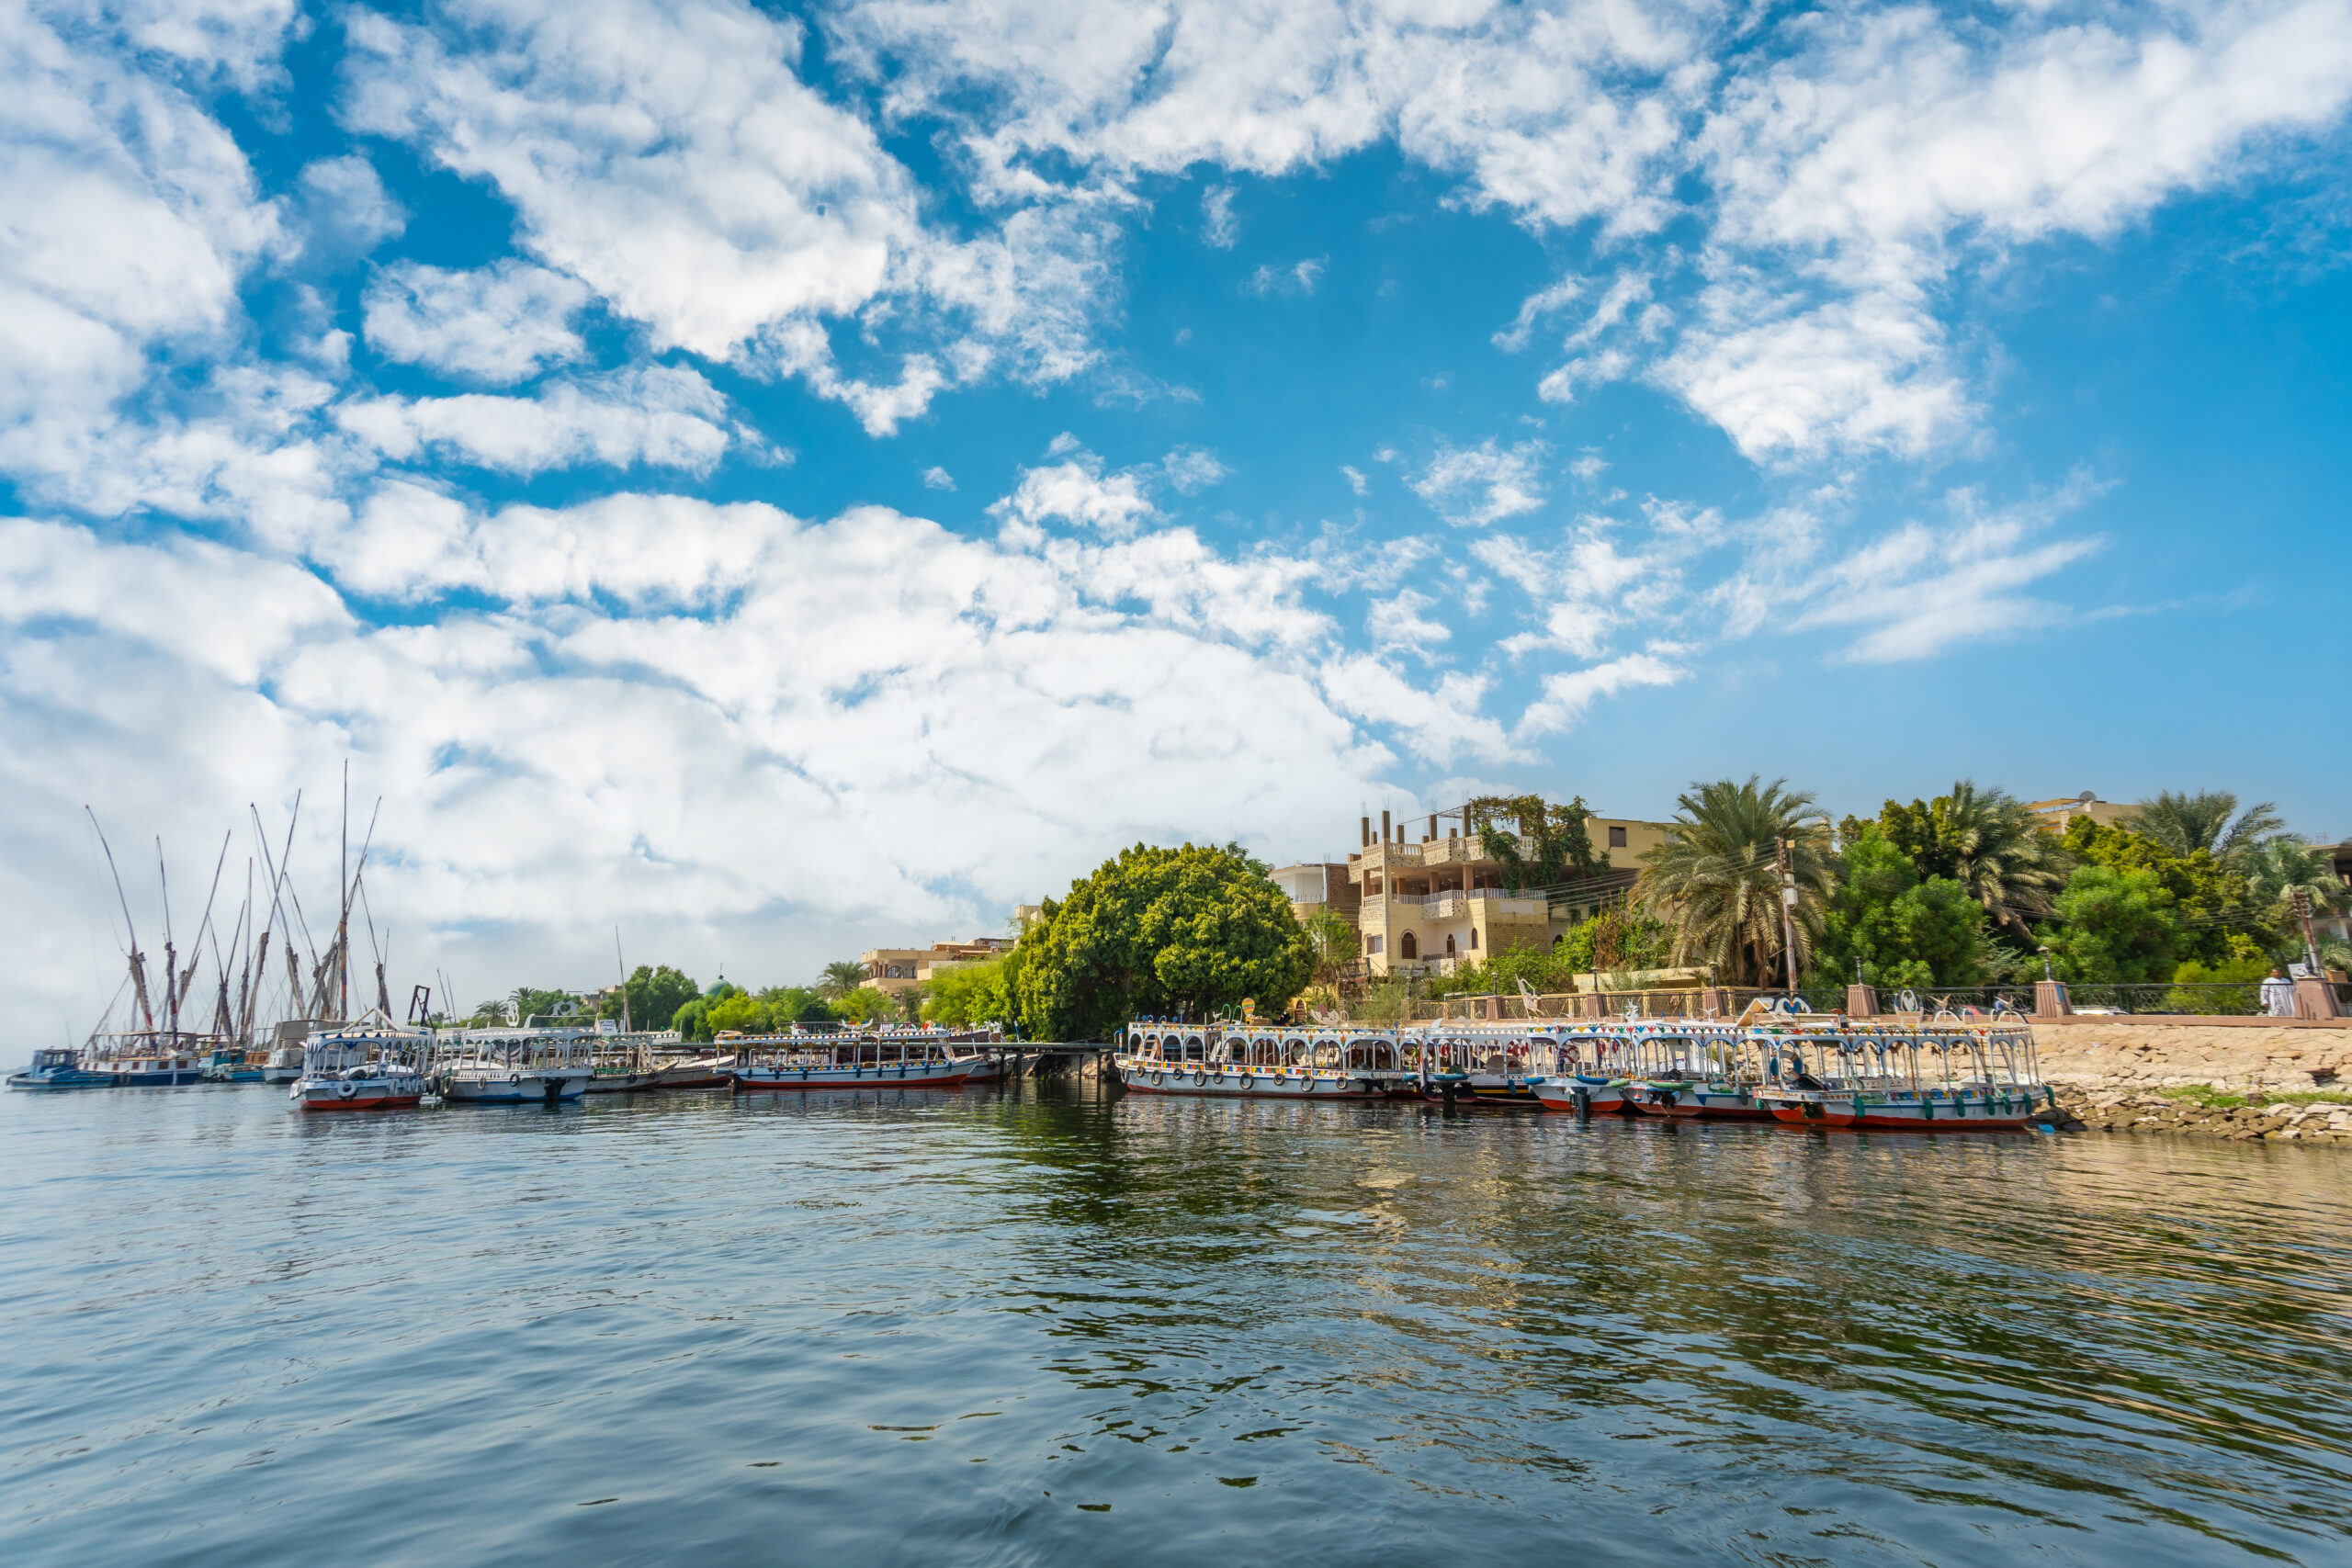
pixel 2206 1001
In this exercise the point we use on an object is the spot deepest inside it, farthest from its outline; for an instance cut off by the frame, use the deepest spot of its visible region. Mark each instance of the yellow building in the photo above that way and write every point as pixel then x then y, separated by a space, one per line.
pixel 1425 899
pixel 2055 813
pixel 896 970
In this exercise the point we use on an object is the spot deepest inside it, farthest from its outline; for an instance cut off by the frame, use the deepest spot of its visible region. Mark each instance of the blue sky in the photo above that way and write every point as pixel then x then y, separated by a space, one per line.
pixel 781 480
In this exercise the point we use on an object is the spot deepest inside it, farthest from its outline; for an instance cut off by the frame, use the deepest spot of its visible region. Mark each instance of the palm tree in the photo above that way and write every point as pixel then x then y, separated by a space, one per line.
pixel 840 978
pixel 2277 866
pixel 2007 861
pixel 1715 881
pixel 2207 820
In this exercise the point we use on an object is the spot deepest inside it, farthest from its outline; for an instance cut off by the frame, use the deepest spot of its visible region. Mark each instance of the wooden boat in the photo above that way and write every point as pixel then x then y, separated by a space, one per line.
pixel 371 1065
pixel 1926 1079
pixel 1260 1061
pixel 893 1059
pixel 518 1066
pixel 1695 1070
pixel 59 1068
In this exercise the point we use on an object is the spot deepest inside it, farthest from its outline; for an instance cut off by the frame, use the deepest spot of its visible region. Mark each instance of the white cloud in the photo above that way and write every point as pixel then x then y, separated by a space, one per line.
pixel 1397 623
pixel 1298 278
pixel 1472 486
pixel 347 209
pixel 1076 491
pixel 1356 480
pixel 494 325
pixel 1219 226
pixel 1436 725
pixel 1192 469
pixel 936 477
pixel 656 415
pixel 752 733
pixel 1567 693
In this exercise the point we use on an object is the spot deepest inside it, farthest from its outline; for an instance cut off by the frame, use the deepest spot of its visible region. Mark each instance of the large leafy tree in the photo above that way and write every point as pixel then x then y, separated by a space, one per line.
pixel 2219 920
pixel 1895 926
pixel 2278 867
pixel 1988 842
pixel 1715 880
pixel 2207 820
pixel 2115 925
pixel 1155 931
pixel 655 995
pixel 1538 844
pixel 968 993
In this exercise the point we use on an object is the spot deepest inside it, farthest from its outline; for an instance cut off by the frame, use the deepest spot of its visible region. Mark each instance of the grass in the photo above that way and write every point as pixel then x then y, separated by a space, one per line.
pixel 2219 1099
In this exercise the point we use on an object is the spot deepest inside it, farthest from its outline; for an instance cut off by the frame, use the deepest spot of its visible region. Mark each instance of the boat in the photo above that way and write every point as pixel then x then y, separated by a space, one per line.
pixel 232 1064
pixel 370 1064
pixel 59 1068
pixel 1261 1061
pixel 1929 1077
pixel 519 1066
pixel 157 1060
pixel 1691 1069
pixel 900 1059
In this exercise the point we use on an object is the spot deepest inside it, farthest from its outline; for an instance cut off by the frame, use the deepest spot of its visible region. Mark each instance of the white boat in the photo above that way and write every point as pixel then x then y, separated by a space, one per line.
pixel 372 1065
pixel 1260 1061
pixel 516 1067
pixel 894 1058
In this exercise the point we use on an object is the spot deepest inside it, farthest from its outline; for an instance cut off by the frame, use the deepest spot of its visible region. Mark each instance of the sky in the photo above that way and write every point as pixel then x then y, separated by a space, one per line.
pixel 742 484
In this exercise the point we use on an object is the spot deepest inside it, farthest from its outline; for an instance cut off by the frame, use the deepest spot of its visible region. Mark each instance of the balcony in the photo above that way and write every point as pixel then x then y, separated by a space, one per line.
pixel 1458 906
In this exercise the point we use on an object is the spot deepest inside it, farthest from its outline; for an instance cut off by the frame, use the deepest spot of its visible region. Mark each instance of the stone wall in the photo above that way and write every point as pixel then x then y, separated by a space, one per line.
pixel 2121 1053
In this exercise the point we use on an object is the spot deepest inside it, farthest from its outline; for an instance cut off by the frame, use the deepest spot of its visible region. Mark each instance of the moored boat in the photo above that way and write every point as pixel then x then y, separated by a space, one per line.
pixel 370 1064
pixel 909 1059
pixel 1927 1079
pixel 59 1068
pixel 1260 1061
pixel 516 1067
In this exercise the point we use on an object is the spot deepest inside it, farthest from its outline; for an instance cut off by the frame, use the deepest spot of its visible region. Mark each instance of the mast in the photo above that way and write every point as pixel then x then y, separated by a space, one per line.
pixel 624 968
pixel 170 954
pixel 138 959
pixel 343 925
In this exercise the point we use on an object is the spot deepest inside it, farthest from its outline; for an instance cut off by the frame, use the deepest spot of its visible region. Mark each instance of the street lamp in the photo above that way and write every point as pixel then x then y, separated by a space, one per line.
pixel 2046 973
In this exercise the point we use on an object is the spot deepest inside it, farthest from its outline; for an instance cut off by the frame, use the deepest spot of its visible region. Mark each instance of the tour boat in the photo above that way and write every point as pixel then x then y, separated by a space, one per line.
pixel 370 1064
pixel 913 1059
pixel 60 1068
pixel 159 1060
pixel 1690 1069
pixel 232 1064
pixel 1922 1079
pixel 1261 1061
pixel 521 1066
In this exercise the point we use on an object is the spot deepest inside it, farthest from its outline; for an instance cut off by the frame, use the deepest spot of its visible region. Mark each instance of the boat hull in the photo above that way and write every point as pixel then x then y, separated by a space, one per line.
pixel 72 1077
pixel 1258 1084
pixel 1600 1099
pixel 786 1080
pixel 1956 1114
pixel 528 1089
pixel 1696 1102
pixel 379 1094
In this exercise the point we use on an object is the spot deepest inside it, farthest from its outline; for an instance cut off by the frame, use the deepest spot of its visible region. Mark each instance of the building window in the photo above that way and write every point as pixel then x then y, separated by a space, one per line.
pixel 1449 944
pixel 1474 939
pixel 1405 947
pixel 1372 945
pixel 1616 838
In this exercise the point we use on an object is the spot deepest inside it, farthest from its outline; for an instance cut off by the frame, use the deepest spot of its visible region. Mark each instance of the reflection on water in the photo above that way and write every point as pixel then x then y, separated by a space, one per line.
pixel 1054 1325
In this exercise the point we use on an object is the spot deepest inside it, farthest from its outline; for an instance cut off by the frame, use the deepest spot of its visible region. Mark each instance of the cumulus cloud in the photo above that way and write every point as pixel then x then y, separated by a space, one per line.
pixel 494 325
pixel 1472 486
pixel 1192 469
pixel 656 415
pixel 1567 693
pixel 731 724
pixel 936 477
pixel 1219 226
pixel 1076 491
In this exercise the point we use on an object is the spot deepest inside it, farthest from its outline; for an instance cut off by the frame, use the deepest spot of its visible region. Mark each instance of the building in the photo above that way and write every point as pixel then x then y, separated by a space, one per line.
pixel 896 970
pixel 2055 813
pixel 1425 907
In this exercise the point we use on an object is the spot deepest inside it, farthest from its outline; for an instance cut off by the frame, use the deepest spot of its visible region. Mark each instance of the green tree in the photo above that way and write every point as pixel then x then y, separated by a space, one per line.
pixel 2219 920
pixel 2207 820
pixel 1986 840
pixel 968 993
pixel 1896 927
pixel 865 1004
pixel 2279 867
pixel 692 1021
pixel 840 977
pixel 1155 931
pixel 1537 843
pixel 655 995
pixel 1715 880
pixel 530 1002
pixel 2114 926
pixel 1333 944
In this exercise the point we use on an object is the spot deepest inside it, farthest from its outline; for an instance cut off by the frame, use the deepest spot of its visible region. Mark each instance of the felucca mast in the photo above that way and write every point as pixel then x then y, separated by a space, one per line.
pixel 138 959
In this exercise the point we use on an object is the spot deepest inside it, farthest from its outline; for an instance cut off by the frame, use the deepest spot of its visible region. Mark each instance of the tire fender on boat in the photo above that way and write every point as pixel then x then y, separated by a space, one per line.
pixel 345 1090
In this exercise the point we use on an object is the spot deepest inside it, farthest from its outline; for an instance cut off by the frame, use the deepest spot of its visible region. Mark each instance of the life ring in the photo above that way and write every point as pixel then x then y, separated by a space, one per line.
pixel 346 1090
pixel 1200 1078
pixel 513 1077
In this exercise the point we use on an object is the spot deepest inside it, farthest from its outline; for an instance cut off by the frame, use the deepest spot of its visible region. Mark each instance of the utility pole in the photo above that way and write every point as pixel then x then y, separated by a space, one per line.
pixel 2302 899
pixel 1788 904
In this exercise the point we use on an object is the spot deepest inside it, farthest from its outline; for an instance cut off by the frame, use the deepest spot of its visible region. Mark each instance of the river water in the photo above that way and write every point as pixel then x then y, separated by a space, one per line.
pixel 1051 1325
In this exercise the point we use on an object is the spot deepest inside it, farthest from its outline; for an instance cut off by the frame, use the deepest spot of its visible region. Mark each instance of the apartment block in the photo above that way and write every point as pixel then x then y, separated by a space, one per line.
pixel 900 969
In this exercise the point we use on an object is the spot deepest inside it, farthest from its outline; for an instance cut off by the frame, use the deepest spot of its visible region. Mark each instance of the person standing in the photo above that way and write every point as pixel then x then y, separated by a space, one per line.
pixel 2279 996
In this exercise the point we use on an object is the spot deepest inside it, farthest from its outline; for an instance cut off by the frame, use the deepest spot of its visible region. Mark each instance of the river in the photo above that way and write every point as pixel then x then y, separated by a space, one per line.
pixel 1050 1325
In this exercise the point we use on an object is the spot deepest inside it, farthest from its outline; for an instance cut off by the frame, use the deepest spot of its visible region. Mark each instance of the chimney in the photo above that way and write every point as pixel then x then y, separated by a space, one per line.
pixel 1384 830
pixel 1367 833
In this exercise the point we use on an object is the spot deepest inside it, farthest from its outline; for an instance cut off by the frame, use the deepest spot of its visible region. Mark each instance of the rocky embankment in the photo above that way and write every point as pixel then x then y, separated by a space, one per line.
pixel 2242 1080
pixel 2307 1121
